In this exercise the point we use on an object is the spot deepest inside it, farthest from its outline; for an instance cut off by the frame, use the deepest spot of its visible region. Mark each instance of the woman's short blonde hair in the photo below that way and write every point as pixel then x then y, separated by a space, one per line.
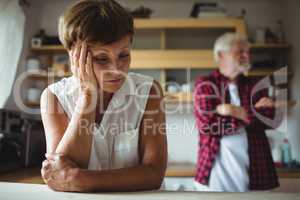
pixel 225 42
pixel 94 21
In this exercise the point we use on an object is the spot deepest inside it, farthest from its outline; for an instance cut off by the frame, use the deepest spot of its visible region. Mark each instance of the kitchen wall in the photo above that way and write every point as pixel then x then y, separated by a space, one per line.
pixel 256 10
pixel 260 13
pixel 291 18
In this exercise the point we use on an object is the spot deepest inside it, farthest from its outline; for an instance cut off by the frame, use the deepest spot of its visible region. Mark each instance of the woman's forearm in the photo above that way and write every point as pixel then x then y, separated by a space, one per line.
pixel 77 138
pixel 142 177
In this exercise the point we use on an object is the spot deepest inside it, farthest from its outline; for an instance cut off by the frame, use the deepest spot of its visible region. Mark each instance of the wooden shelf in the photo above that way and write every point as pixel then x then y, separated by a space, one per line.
pixel 288 104
pixel 179 97
pixel 181 170
pixel 54 48
pixel 163 59
pixel 160 59
pixel 183 23
pixel 253 45
pixel 207 23
pixel 172 59
pixel 61 49
pixel 270 46
pixel 264 72
pixel 261 72
pixel 45 75
pixel 49 49
pixel 184 58
pixel 32 104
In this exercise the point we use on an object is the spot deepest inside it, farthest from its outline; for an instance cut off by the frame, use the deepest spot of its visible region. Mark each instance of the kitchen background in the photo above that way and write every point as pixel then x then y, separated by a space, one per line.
pixel 182 137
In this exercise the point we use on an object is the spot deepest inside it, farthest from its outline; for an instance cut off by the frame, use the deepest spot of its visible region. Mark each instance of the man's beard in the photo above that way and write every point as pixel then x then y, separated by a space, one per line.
pixel 243 67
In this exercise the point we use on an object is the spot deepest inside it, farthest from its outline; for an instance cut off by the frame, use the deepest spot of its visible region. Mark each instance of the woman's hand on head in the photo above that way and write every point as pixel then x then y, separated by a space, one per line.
pixel 82 68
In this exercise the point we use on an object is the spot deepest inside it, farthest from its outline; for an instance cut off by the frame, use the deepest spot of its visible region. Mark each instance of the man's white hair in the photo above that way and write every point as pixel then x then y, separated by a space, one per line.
pixel 226 41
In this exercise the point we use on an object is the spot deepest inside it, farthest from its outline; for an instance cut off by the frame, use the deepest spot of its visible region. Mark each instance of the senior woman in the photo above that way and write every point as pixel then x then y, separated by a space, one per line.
pixel 105 127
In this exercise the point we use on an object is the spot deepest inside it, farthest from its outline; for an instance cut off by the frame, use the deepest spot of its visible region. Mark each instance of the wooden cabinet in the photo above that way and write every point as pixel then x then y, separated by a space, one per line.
pixel 165 60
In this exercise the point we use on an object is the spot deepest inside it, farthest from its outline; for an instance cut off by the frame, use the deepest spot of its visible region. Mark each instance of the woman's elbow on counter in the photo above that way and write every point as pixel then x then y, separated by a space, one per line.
pixel 157 177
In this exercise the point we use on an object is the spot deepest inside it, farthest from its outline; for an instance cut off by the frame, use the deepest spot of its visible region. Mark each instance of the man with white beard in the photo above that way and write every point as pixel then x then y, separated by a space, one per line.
pixel 234 153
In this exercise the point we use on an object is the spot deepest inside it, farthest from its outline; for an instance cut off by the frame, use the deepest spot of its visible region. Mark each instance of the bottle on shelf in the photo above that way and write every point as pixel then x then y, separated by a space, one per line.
pixel 280 32
pixel 276 152
pixel 286 152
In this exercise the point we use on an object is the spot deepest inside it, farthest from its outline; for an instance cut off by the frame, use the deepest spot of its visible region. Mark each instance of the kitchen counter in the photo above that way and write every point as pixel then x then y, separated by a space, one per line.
pixel 12 191
pixel 189 170
pixel 289 179
pixel 32 175
pixel 28 175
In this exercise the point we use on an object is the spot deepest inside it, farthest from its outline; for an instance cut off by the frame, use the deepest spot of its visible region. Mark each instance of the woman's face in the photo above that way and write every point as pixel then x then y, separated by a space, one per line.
pixel 111 63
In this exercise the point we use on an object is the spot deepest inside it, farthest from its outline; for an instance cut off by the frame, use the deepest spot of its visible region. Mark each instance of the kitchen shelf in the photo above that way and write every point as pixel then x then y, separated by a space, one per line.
pixel 184 23
pixel 167 59
pixel 253 46
pixel 270 46
pixel 172 59
pixel 289 104
pixel 158 59
pixel 60 48
pixel 164 59
pixel 49 49
pixel 261 72
pixel 32 104
pixel 43 74
pixel 179 97
pixel 181 170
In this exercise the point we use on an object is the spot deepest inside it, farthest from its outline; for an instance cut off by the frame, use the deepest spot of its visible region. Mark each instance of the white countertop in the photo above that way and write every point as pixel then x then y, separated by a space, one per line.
pixel 12 191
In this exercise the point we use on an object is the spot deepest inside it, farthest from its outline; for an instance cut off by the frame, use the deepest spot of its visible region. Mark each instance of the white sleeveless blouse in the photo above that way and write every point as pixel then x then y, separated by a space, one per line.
pixel 115 138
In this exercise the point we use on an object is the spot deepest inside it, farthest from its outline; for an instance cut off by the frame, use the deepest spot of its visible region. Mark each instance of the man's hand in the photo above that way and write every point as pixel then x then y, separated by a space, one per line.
pixel 234 111
pixel 59 173
pixel 224 109
pixel 265 102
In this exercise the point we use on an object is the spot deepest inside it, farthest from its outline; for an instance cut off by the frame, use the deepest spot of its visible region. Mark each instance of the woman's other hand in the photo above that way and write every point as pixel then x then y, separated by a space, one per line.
pixel 59 173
